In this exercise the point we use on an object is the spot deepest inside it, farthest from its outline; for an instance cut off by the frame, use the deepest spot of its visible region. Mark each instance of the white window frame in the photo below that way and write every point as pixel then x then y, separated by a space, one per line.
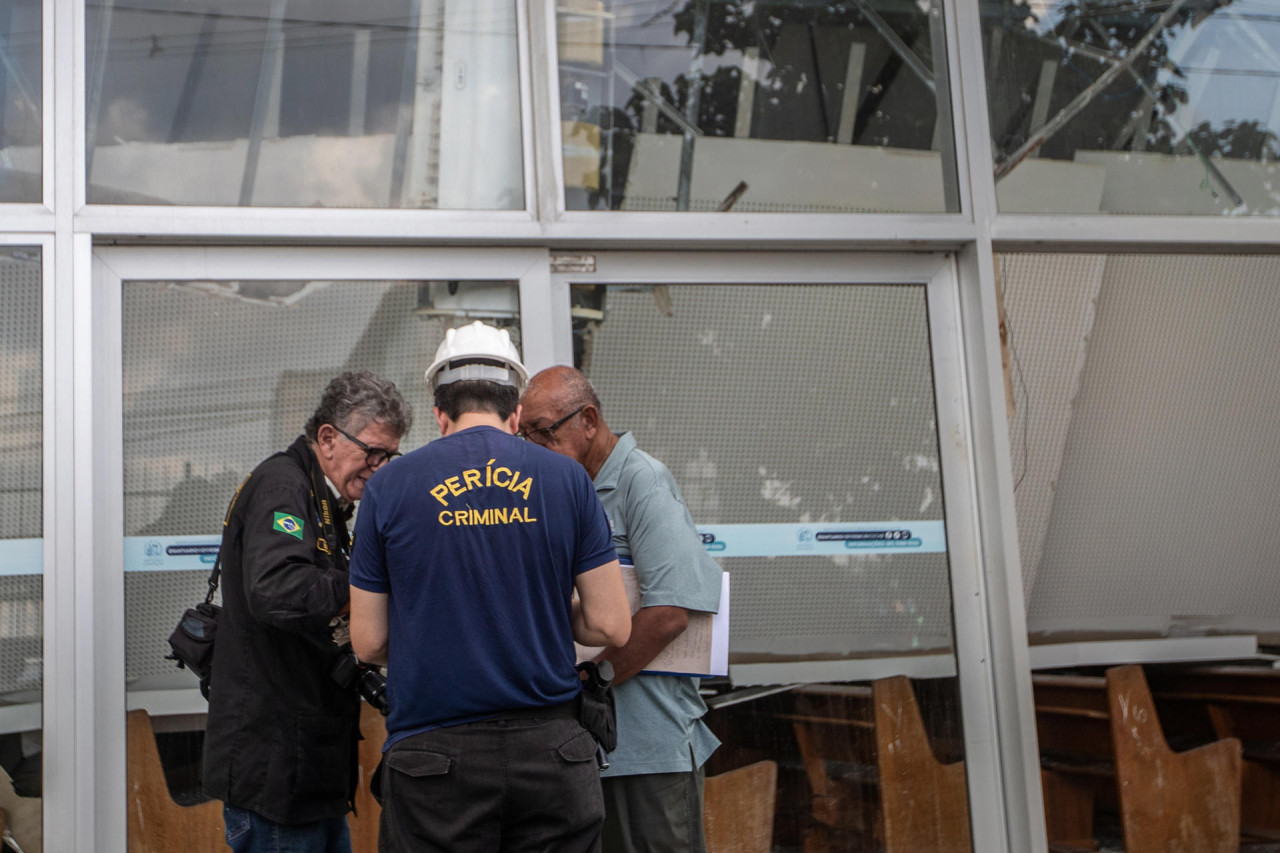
pixel 55 498
pixel 759 230
pixel 957 423
pixel 85 674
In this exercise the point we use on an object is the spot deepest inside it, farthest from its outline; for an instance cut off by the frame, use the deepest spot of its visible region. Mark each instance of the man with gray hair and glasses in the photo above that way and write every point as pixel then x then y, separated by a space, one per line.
pixel 280 743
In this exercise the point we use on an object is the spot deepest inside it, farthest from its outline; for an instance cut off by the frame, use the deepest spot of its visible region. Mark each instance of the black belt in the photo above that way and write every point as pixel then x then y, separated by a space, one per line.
pixel 563 711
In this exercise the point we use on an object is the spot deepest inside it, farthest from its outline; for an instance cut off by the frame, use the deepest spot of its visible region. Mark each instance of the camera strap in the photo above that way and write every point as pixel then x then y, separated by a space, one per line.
pixel 216 574
pixel 338 544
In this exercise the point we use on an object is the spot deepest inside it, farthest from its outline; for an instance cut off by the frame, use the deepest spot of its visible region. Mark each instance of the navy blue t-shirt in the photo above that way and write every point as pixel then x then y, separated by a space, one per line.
pixel 476 538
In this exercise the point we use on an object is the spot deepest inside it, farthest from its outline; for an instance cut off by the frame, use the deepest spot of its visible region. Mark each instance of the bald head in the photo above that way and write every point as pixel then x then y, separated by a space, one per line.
pixel 567 385
pixel 560 411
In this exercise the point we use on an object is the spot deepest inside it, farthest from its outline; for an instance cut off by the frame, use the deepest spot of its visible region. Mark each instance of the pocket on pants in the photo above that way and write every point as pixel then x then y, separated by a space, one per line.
pixel 418 762
pixel 581 747
pixel 236 821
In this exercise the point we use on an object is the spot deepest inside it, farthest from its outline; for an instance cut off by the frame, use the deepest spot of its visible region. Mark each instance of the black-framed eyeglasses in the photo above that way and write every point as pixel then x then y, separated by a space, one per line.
pixel 543 435
pixel 373 456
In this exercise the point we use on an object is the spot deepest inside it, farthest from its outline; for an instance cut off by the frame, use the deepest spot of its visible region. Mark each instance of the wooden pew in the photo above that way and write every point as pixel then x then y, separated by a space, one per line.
pixel 159 825
pixel 834 730
pixel 156 823
pixel 867 747
pixel 925 803
pixel 1077 768
pixel 737 815
pixel 1068 811
pixel 1232 702
pixel 1101 737
pixel 1169 801
pixel 1259 782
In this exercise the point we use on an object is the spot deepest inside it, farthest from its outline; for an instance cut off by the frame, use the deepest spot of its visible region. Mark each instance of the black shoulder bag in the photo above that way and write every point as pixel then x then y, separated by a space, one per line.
pixel 191 643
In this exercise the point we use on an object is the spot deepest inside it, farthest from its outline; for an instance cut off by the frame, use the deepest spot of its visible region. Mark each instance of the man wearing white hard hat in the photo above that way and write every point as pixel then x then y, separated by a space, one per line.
pixel 467 556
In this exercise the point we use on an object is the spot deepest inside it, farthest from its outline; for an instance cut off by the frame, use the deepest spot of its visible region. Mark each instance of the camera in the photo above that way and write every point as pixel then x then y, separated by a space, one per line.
pixel 365 679
pixel 597 711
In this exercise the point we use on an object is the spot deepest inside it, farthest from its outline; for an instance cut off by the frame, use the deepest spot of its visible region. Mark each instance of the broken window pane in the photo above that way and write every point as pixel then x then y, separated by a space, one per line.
pixel 1144 108
pixel 784 106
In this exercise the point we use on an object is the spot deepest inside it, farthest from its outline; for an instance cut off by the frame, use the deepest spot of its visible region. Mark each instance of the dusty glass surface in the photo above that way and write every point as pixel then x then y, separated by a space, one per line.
pixel 21 94
pixel 21 544
pixel 1143 108
pixel 783 106
pixel 384 103
pixel 802 466
pixel 217 376
pixel 1135 375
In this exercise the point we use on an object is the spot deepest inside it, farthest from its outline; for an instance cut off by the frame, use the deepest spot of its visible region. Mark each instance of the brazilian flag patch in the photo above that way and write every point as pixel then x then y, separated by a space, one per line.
pixel 286 523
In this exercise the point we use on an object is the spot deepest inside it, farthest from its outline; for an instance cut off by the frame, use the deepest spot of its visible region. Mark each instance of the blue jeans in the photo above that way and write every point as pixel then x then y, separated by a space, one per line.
pixel 250 832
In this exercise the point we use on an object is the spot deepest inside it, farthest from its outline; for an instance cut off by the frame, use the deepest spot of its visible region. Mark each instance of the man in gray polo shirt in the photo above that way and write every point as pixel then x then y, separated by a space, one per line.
pixel 653 788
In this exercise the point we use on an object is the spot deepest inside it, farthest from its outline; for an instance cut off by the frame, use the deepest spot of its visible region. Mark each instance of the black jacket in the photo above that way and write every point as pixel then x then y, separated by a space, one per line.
pixel 281 735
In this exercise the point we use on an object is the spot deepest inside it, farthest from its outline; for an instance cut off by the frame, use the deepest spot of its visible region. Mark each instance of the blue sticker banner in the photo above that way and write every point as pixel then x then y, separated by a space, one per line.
pixel 197 553
pixel 141 554
pixel 170 553
pixel 789 540
pixel 21 557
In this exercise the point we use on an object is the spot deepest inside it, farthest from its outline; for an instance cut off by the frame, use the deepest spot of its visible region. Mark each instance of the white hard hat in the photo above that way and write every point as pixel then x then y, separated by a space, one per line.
pixel 477 351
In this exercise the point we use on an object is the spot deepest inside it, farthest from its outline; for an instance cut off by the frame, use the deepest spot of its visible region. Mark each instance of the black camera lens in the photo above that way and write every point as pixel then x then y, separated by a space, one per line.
pixel 372 686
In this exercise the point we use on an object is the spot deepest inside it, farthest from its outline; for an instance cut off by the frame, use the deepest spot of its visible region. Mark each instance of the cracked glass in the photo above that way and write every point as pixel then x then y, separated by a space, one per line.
pixel 755 106
pixel 1140 108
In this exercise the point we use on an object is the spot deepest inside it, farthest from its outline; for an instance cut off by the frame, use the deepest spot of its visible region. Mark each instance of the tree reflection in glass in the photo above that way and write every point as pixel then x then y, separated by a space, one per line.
pixel 755 106
pixel 1165 108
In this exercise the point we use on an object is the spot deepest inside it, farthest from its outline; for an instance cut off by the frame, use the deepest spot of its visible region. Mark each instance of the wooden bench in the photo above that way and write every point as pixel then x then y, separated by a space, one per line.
pixel 834 731
pixel 925 803
pixel 1232 702
pixel 1077 767
pixel 156 823
pixel 1101 732
pixel 737 815
pixel 1169 801
pixel 873 771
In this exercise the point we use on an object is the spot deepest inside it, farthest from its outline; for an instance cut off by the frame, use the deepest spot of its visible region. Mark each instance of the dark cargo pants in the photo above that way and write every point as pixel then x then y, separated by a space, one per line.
pixel 516 786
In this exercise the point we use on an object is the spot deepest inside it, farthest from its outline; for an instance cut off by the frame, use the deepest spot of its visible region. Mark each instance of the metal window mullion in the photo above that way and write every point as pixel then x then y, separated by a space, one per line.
pixel 970 606
pixel 100 540
pixel 65 825
pixel 48 35
pixel 1016 772
pixel 969 115
pixel 1115 233
pixel 69 783
pixel 356 263
pixel 1005 612
pixel 538 310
